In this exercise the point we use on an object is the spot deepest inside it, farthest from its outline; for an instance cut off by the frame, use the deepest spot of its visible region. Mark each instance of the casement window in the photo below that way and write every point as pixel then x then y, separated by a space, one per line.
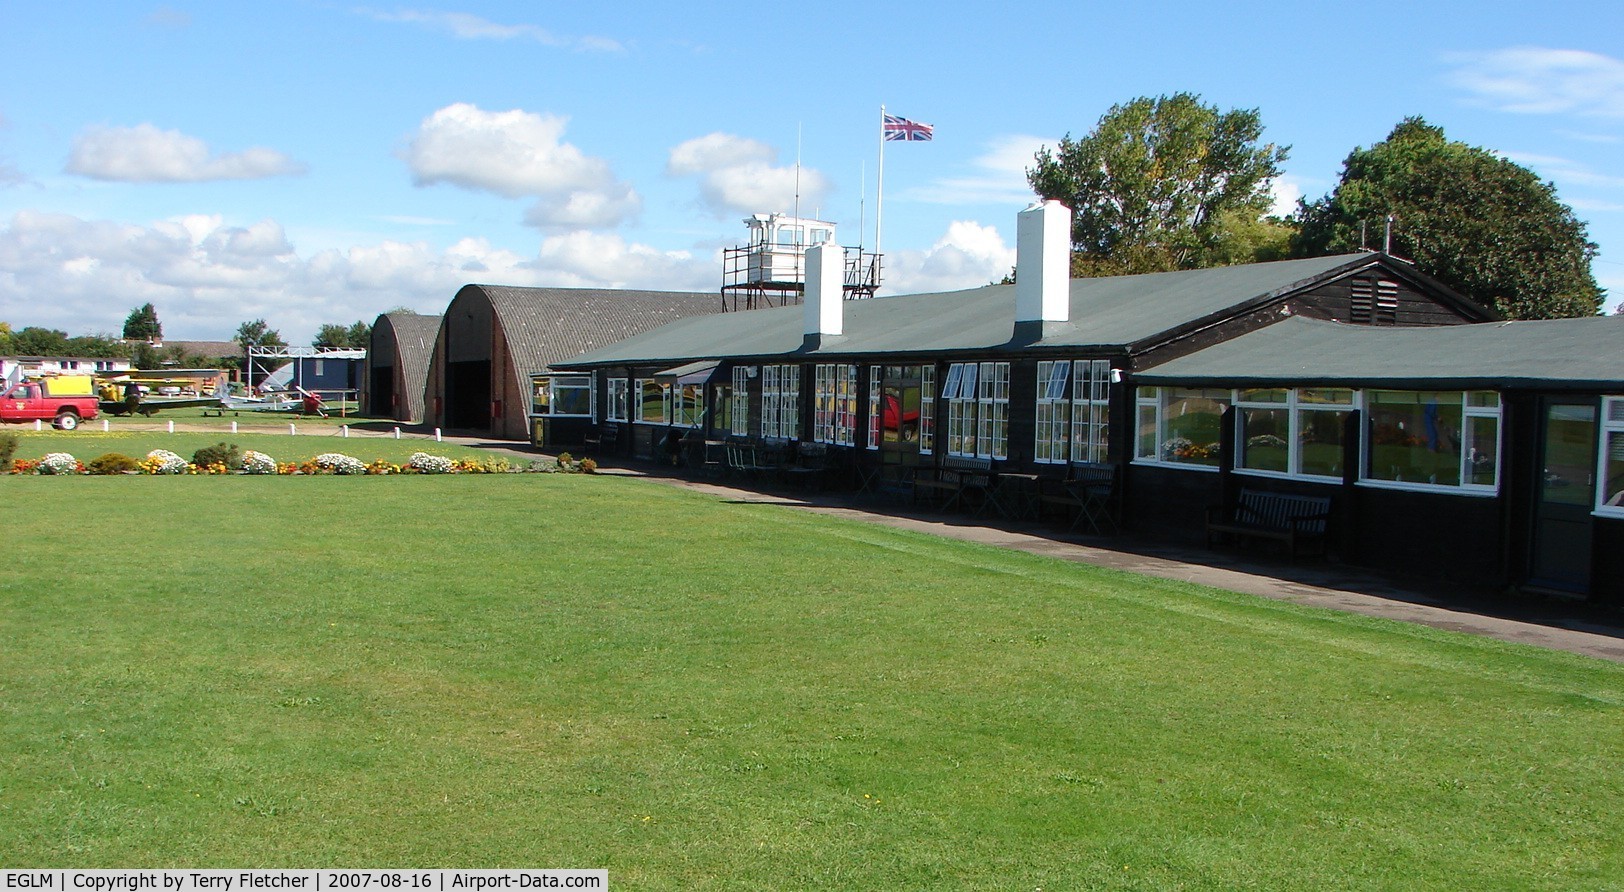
pixel 834 404
pixel 1610 494
pixel 617 400
pixel 1180 425
pixel 781 401
pixel 1053 412
pixel 1073 403
pixel 1299 432
pixel 927 409
pixel 977 396
pixel 874 383
pixel 687 405
pixel 653 401
pixel 561 395
pixel 739 418
pixel 1427 439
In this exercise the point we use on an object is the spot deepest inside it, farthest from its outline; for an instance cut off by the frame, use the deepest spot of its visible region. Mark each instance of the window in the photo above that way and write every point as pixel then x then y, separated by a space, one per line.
pixel 1053 412
pixel 561 395
pixel 722 406
pixel 927 408
pixel 616 409
pixel 687 404
pixel 739 418
pixel 1433 438
pixel 977 397
pixel 781 401
pixel 1610 495
pixel 1299 432
pixel 653 402
pixel 1090 410
pixel 874 384
pixel 834 406
pixel 1179 425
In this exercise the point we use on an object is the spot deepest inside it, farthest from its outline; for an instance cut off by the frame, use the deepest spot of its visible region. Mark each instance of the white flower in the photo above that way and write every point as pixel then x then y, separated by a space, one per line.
pixel 430 464
pixel 339 463
pixel 58 463
pixel 258 463
pixel 168 462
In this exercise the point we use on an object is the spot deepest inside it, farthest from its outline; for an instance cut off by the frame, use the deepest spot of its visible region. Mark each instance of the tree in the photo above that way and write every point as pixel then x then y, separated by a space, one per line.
pixel 1484 225
pixel 257 334
pixel 331 334
pixel 142 324
pixel 1163 183
pixel 36 341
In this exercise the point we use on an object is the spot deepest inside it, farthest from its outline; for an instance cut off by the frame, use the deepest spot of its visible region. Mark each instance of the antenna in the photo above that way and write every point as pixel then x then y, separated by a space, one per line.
pixel 1364 244
pixel 1387 237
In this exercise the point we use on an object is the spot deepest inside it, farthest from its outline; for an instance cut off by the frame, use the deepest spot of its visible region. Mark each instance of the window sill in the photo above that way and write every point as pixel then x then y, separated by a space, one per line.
pixel 1478 492
pixel 1182 466
pixel 1282 475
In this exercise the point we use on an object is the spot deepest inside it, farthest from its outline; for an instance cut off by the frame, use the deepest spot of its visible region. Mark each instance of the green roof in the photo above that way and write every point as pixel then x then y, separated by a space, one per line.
pixel 1556 354
pixel 1107 314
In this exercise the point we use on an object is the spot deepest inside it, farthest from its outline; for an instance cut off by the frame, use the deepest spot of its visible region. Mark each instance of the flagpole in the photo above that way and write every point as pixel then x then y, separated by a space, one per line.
pixel 879 187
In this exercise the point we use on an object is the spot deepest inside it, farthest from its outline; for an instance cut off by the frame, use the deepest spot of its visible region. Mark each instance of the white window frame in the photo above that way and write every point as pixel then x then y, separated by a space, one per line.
pixel 992 411
pixel 1090 398
pixel 781 402
pixel 825 400
pixel 618 401
pixel 739 417
pixel 665 401
pixel 553 389
pixel 1468 412
pixel 1154 399
pixel 959 392
pixel 1295 408
pixel 1052 443
pixel 927 408
pixel 875 378
pixel 846 405
pixel 678 403
pixel 1612 425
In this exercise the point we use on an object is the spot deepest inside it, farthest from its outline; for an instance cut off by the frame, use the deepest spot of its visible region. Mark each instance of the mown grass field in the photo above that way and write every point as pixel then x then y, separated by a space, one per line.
pixel 573 671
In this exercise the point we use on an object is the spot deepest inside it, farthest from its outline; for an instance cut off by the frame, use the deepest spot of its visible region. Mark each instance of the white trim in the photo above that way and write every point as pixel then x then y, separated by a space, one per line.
pixel 1474 490
pixel 1607 426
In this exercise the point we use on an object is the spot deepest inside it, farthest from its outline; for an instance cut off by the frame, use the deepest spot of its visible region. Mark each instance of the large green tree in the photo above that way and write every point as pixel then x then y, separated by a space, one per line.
pixel 1484 225
pixel 333 334
pixel 1165 183
pixel 142 324
pixel 258 334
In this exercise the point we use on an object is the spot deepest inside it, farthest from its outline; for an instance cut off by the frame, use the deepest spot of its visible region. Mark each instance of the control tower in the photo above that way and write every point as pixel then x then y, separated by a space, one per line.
pixel 770 270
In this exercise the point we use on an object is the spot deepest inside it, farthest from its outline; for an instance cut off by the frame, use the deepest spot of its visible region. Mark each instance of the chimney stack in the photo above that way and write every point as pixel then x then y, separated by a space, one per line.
pixel 823 307
pixel 1042 265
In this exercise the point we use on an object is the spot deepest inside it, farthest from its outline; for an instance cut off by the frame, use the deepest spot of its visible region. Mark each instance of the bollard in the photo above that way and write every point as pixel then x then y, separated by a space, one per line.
pixel 344 431
pixel 171 427
pixel 292 431
pixel 104 425
pixel 397 433
pixel 436 435
pixel 39 425
pixel 233 427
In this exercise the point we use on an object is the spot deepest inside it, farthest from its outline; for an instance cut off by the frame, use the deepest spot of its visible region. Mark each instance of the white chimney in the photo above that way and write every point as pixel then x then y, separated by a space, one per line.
pixel 824 308
pixel 1043 263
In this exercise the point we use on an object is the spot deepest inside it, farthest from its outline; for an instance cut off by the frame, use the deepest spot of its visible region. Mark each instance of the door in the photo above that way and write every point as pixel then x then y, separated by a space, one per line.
pixel 1566 496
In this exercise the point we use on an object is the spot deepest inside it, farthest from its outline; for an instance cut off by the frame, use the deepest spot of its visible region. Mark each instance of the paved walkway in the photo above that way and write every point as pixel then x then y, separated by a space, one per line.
pixel 1523 619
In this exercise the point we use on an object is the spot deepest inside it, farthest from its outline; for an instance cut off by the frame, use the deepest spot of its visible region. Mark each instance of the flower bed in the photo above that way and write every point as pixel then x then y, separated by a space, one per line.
pixel 162 461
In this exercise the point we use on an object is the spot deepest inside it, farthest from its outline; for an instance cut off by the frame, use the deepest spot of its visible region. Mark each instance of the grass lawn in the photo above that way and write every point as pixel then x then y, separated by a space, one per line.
pixel 86 444
pixel 571 671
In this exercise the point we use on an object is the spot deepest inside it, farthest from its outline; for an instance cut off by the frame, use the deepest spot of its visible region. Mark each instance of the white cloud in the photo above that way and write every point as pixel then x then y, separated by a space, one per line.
pixel 206 277
pixel 1564 170
pixel 465 26
pixel 737 175
pixel 997 176
pixel 146 154
pixel 966 256
pixel 517 154
pixel 1284 193
pixel 1541 80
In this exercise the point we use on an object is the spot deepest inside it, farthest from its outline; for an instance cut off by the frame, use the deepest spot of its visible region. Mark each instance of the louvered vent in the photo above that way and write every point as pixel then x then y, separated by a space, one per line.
pixel 1361 301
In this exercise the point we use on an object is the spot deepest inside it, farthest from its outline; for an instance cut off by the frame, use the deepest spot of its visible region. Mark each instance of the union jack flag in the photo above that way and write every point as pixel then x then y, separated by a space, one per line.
pixel 903 130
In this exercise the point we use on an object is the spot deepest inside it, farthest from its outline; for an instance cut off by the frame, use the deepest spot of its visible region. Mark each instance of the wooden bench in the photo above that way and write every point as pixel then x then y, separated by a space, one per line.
pixel 1297 521
pixel 1086 494
pixel 951 480
pixel 603 440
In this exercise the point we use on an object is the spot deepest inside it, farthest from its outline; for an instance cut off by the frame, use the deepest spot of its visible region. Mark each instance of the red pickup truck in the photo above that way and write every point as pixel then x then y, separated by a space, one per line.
pixel 32 401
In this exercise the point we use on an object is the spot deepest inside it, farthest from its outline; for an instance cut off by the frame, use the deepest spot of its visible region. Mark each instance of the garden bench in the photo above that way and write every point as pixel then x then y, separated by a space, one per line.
pixel 603 440
pixel 1297 521
pixel 952 480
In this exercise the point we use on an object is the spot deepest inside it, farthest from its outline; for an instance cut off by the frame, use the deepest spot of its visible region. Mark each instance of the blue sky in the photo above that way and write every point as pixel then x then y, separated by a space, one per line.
pixel 311 162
